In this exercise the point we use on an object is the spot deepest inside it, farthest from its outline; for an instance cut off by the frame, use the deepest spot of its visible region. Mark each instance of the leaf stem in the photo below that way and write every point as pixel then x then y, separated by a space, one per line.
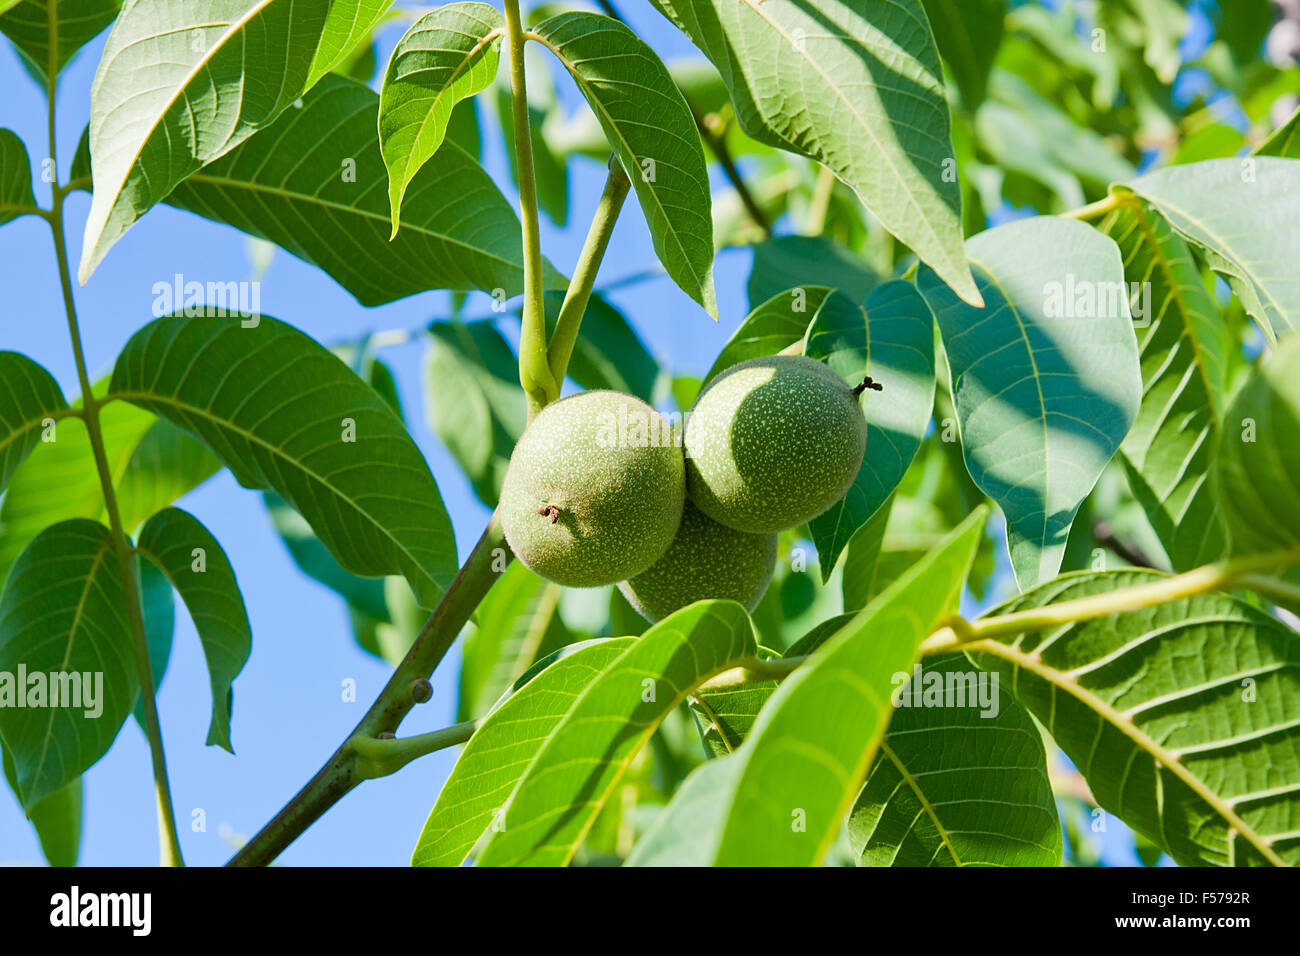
pixel 534 369
pixel 960 632
pixel 1210 577
pixel 1095 210
pixel 381 757
pixel 584 276
pixel 752 670
pixel 170 851
pixel 349 764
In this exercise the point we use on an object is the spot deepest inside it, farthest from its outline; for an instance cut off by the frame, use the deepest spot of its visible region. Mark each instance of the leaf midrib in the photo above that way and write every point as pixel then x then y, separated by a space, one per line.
pixel 756 7
pixel 1163 757
pixel 305 198
pixel 233 28
pixel 1176 290
pixel 86 588
pixel 930 810
pixel 136 395
pixel 458 71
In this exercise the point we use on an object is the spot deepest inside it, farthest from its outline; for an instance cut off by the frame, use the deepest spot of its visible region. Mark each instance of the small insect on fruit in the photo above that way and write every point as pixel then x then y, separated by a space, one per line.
pixel 773 442
pixel 594 490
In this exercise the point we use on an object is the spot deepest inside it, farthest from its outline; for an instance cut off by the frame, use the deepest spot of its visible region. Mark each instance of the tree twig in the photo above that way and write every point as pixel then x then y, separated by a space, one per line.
pixel 342 771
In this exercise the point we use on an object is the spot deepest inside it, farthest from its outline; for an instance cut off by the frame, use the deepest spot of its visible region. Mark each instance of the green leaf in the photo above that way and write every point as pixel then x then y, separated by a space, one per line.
pixel 291 417
pixel 726 716
pixel 63 612
pixel 56 818
pixel 382 611
pixel 447 55
pixel 685 833
pixel 475 403
pixel 960 782
pixel 198 568
pixel 30 403
pixel 651 128
pixel 1246 30
pixel 805 758
pixel 1182 342
pixel 151 460
pixel 1258 463
pixel 463 129
pixel 861 558
pixel 558 796
pixel 501 749
pixel 788 262
pixel 608 353
pixel 776 324
pixel 347 25
pixel 1182 717
pixel 76 22
pixel 165 464
pixel 1045 377
pixel 16 197
pixel 1244 217
pixel 1028 133
pixel 516 625
pixel 322 199
pixel 968 33
pixel 217 73
pixel 158 608
pixel 1283 141
pixel 890 338
pixel 857 87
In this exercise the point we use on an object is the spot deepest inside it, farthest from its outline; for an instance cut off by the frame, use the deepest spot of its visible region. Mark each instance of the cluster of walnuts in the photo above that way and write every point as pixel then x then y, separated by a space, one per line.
pixel 602 489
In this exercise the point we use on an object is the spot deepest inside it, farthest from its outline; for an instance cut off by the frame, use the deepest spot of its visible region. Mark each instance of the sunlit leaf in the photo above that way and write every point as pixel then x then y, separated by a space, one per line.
pixel 447 55
pixel 291 417
pixel 1184 717
pixel 858 87
pixel 651 128
pixel 502 748
pixel 1045 377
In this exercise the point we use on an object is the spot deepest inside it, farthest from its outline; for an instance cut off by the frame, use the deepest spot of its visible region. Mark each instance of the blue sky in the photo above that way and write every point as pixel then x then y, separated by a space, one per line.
pixel 288 712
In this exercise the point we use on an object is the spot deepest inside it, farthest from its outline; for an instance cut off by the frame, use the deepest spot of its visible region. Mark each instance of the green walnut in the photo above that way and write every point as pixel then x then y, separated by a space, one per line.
pixel 773 442
pixel 594 490
pixel 706 560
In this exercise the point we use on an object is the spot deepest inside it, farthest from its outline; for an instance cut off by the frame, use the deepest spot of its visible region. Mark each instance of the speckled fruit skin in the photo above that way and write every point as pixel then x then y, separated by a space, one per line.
pixel 773 442
pixel 609 464
pixel 706 560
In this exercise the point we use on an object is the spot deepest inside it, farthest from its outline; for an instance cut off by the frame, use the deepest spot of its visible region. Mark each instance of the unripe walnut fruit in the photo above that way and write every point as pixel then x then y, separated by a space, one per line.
pixel 773 442
pixel 594 490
